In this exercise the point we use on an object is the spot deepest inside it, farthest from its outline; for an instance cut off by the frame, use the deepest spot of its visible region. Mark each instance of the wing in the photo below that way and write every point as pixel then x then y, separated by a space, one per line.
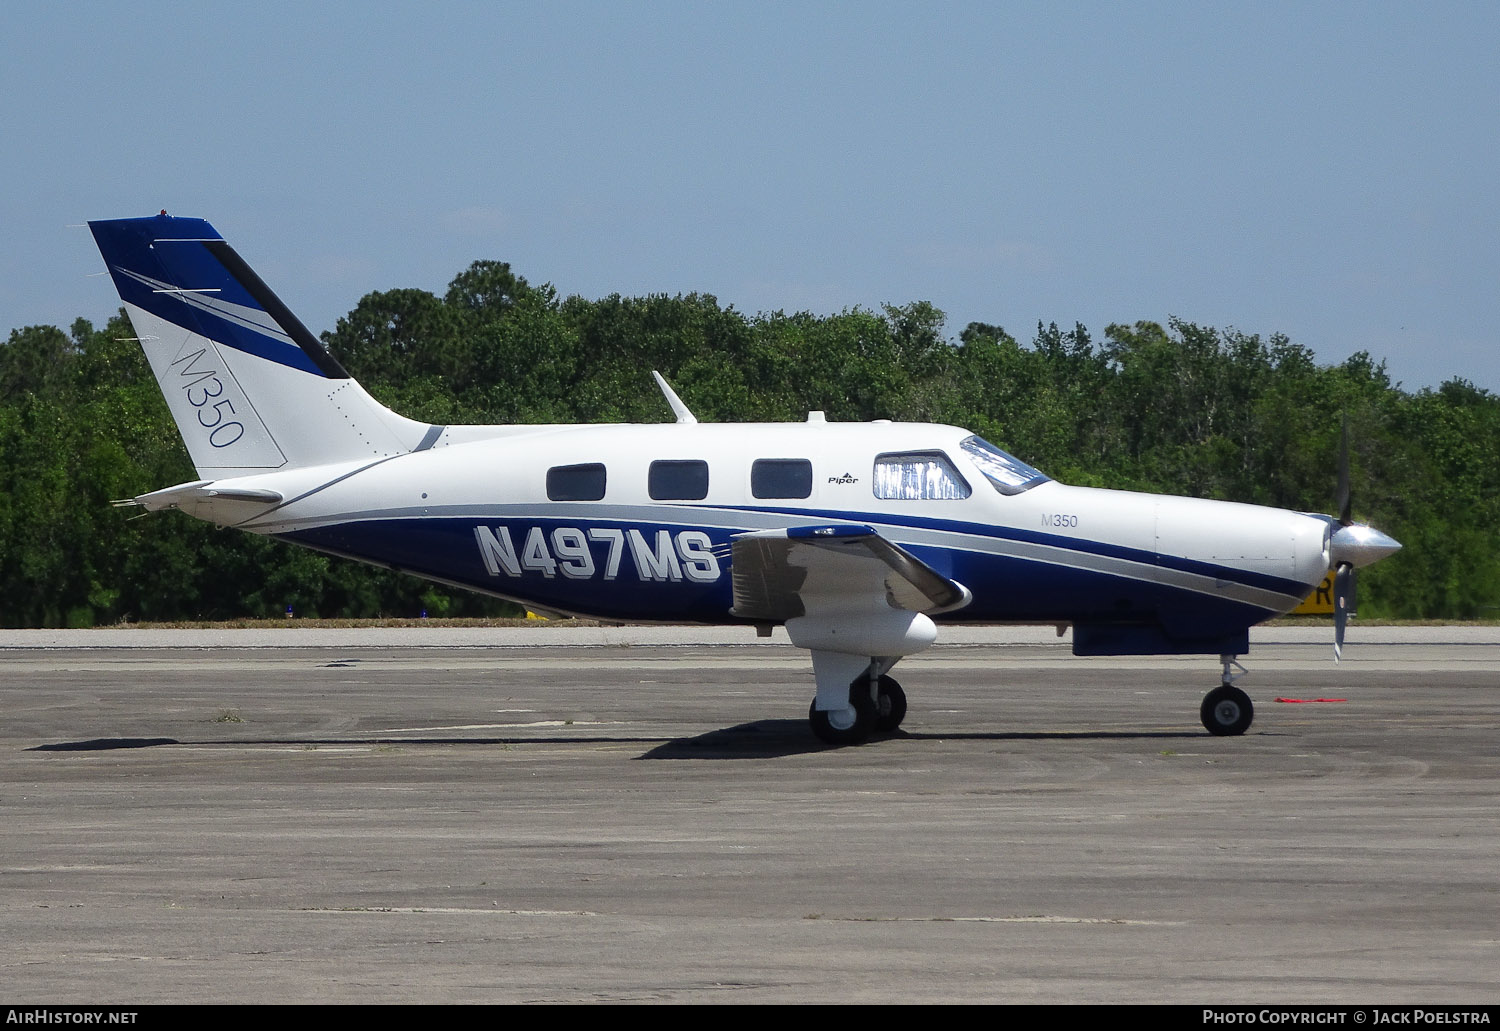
pixel 782 574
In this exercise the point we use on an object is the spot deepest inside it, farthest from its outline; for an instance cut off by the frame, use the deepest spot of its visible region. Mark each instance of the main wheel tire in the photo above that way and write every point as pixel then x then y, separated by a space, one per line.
pixel 1227 711
pixel 825 725
pixel 890 705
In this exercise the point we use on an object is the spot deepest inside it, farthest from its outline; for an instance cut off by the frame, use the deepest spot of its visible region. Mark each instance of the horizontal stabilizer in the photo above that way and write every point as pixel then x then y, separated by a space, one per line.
pixel 198 491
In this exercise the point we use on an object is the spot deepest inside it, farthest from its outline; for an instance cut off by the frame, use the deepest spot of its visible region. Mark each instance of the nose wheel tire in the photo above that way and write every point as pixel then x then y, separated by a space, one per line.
pixel 1227 711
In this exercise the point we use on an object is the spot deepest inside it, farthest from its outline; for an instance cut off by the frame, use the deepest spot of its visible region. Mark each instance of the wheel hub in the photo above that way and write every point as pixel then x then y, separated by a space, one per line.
pixel 842 719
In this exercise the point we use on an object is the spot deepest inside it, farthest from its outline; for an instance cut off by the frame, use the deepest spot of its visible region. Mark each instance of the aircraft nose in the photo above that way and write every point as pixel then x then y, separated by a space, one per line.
pixel 1359 545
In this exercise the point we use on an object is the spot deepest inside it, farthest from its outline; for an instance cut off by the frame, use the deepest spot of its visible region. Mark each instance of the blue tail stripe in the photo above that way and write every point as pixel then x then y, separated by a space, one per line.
pixel 150 258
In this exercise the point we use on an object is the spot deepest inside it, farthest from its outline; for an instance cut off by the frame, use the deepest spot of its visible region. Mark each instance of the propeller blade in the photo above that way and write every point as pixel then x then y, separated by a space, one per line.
pixel 1343 591
pixel 1342 500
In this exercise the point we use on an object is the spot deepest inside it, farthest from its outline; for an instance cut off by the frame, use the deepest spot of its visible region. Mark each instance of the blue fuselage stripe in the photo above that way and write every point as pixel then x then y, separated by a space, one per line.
pixel 1005 588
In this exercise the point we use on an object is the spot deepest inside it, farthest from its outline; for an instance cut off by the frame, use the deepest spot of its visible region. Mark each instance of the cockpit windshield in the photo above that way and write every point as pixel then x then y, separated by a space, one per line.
pixel 1008 473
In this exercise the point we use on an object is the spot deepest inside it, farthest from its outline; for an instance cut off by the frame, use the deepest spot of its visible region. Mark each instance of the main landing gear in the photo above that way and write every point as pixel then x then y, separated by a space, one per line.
pixel 852 653
pixel 877 705
pixel 1226 709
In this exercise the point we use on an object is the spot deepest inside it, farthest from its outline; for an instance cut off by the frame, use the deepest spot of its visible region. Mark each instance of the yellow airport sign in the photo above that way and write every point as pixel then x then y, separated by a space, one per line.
pixel 1320 601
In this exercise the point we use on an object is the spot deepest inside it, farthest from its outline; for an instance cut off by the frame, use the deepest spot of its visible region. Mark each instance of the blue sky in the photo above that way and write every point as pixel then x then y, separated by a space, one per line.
pixel 1328 171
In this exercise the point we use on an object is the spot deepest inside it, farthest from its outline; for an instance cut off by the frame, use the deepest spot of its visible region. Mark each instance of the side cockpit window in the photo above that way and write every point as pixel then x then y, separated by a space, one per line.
pixel 1008 473
pixel 576 482
pixel 677 481
pixel 781 478
pixel 918 476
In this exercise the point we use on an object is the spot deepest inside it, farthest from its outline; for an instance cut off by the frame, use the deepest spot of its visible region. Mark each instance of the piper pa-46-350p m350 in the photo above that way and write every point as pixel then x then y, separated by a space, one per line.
pixel 852 535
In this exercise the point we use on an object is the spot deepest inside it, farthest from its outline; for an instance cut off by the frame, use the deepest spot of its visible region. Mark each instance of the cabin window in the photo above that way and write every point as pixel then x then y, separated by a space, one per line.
pixel 576 482
pixel 677 481
pixel 781 478
pixel 1008 473
pixel 921 476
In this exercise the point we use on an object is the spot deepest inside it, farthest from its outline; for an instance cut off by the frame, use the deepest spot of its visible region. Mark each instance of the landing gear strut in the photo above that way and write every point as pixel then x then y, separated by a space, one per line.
pixel 1226 709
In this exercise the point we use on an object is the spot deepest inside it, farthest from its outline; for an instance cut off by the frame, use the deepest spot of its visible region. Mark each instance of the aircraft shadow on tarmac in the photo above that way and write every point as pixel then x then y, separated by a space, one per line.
pixel 759 739
pixel 764 739
pixel 104 744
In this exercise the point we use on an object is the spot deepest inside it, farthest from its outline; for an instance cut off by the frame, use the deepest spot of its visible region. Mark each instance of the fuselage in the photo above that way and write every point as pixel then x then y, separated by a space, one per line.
pixel 635 522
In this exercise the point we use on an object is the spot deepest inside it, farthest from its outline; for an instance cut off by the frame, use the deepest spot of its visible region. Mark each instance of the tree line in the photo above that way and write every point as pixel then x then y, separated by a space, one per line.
pixel 1176 408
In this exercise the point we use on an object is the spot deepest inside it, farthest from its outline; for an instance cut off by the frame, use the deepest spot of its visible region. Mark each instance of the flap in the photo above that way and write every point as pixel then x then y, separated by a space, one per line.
pixel 781 574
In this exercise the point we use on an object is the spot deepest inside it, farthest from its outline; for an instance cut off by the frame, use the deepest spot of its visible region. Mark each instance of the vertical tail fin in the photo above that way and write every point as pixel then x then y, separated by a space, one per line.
pixel 250 387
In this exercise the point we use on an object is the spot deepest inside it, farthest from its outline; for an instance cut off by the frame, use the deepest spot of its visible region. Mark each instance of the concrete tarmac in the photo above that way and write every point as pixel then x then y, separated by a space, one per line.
pixel 642 815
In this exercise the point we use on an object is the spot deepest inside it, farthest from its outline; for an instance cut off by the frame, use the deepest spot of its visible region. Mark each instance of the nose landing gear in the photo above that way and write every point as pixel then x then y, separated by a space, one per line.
pixel 1226 710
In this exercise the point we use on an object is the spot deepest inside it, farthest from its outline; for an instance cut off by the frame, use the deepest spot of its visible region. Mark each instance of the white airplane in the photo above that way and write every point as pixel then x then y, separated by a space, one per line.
pixel 851 535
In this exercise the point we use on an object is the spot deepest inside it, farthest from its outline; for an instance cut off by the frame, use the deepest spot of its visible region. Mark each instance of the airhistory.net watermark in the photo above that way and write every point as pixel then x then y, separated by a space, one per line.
pixel 52 1015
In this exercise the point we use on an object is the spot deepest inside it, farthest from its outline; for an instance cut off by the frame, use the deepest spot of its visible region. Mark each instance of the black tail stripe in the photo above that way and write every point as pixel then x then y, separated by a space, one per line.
pixel 256 287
